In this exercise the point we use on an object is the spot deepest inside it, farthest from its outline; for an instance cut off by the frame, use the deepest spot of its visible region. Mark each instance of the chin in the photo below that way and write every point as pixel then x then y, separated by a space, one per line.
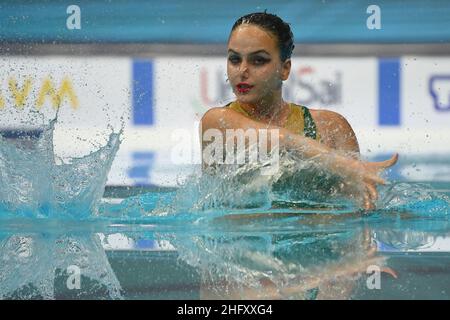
pixel 246 98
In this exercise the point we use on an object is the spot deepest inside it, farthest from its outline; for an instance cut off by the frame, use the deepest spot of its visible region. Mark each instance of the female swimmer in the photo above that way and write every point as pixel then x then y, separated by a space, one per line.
pixel 259 60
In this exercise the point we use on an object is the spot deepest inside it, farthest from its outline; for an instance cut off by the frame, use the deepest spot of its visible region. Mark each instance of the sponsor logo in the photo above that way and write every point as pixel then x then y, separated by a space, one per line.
pixel 214 90
pixel 439 89
pixel 19 94
pixel 303 86
pixel 306 88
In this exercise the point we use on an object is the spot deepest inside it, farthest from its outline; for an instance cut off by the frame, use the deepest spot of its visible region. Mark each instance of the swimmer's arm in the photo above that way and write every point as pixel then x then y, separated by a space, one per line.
pixel 346 139
pixel 225 118
pixel 336 132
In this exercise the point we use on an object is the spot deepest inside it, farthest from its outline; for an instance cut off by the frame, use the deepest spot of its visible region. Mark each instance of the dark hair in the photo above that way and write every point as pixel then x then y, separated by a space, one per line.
pixel 274 24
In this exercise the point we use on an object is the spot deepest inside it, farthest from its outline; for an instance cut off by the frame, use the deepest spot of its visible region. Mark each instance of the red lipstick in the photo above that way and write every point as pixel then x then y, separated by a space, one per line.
pixel 243 87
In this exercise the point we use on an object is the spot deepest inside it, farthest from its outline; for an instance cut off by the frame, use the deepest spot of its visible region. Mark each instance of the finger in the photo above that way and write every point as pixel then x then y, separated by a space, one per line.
pixel 369 205
pixel 372 192
pixel 367 202
pixel 371 200
pixel 390 162
pixel 390 271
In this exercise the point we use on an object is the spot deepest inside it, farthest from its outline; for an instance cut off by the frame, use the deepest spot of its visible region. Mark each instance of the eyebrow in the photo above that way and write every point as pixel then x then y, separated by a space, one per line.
pixel 251 53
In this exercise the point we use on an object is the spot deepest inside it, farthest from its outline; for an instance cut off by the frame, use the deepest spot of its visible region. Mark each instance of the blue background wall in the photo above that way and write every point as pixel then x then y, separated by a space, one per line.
pixel 189 21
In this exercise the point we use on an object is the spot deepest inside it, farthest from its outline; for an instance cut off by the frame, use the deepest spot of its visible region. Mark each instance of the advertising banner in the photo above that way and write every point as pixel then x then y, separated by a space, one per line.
pixel 393 104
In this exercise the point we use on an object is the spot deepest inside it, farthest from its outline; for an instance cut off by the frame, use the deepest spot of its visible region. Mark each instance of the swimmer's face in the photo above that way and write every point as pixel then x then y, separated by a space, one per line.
pixel 254 59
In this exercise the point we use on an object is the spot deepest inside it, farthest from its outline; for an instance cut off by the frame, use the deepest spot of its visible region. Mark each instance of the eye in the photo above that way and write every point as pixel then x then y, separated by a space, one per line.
pixel 259 60
pixel 234 59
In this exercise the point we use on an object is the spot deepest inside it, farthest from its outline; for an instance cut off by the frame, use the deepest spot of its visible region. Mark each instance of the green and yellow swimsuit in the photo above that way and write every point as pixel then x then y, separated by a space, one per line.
pixel 299 121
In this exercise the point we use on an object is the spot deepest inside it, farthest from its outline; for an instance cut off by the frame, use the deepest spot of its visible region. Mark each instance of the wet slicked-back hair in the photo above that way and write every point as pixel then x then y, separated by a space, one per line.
pixel 273 24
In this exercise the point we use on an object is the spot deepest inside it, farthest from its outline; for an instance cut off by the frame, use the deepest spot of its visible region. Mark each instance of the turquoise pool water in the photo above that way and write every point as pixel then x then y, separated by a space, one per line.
pixel 63 235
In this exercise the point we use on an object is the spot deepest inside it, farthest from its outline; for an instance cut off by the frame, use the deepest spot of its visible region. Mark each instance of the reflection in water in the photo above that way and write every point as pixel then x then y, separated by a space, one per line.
pixel 39 266
pixel 278 265
pixel 239 254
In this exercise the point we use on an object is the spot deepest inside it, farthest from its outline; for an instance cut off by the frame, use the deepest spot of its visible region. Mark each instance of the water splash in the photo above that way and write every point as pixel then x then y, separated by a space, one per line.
pixel 419 198
pixel 297 184
pixel 35 185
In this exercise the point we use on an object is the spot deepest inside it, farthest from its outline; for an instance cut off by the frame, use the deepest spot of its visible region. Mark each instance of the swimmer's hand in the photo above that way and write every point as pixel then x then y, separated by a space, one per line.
pixel 362 179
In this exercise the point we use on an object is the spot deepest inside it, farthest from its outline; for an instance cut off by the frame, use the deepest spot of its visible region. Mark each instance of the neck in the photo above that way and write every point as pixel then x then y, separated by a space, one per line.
pixel 267 109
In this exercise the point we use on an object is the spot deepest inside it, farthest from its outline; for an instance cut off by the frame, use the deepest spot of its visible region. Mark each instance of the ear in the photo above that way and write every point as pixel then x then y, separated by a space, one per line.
pixel 286 69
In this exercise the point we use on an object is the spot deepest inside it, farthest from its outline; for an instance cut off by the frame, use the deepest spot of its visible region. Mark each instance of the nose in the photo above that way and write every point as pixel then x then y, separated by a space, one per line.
pixel 243 69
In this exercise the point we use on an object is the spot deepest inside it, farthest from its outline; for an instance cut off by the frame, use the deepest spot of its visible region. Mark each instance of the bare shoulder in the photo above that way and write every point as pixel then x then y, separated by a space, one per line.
pixel 212 115
pixel 213 112
pixel 335 131
pixel 328 118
